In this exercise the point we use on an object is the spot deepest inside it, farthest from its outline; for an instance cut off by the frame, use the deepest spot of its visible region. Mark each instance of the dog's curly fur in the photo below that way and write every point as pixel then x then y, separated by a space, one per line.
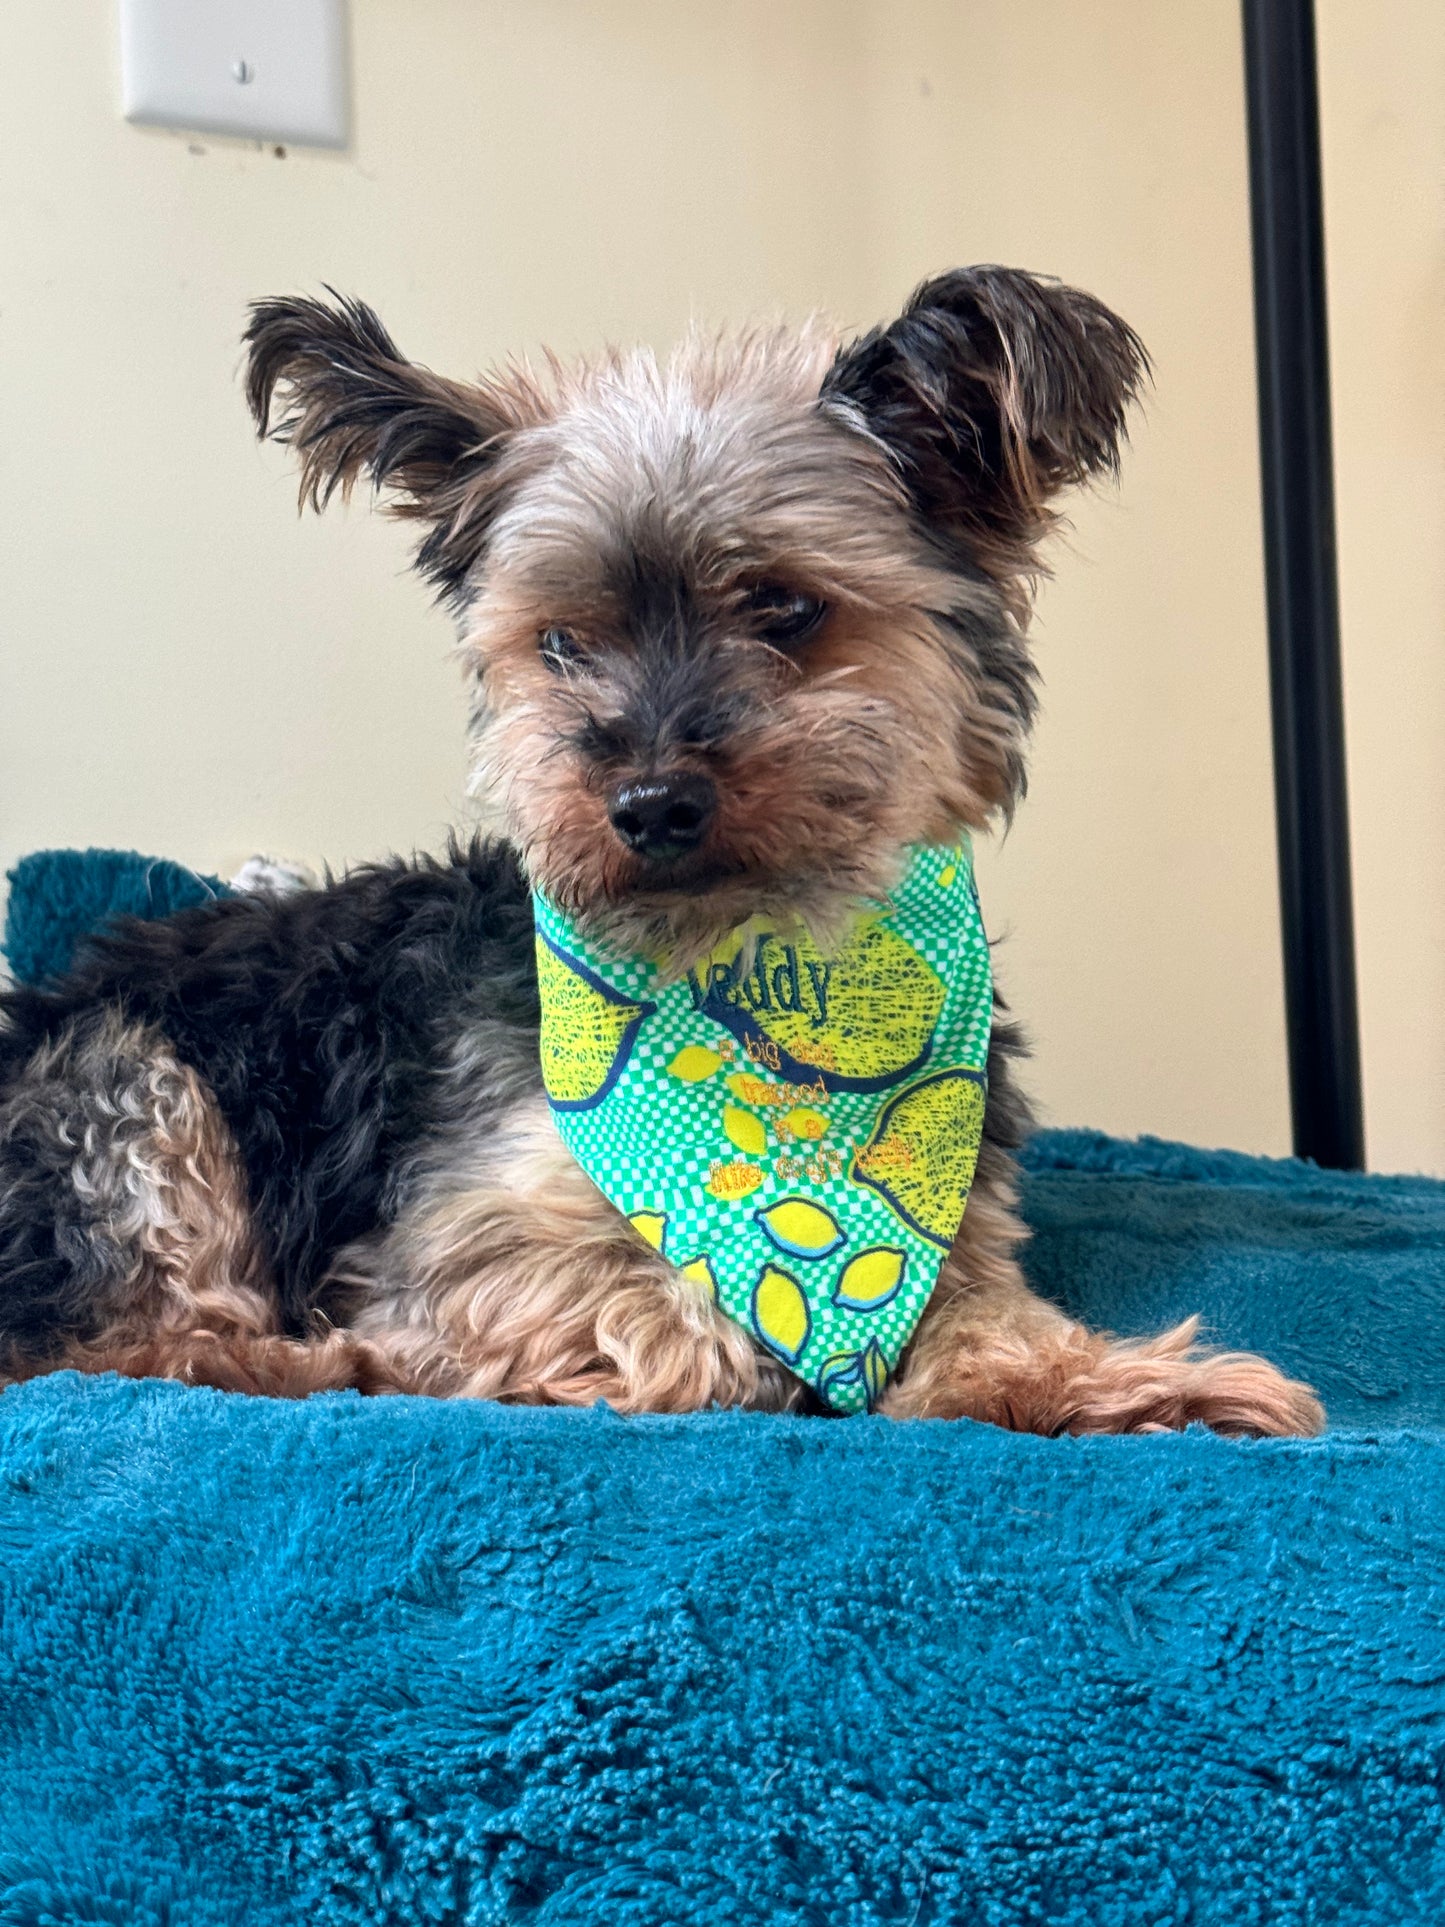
pixel 282 1143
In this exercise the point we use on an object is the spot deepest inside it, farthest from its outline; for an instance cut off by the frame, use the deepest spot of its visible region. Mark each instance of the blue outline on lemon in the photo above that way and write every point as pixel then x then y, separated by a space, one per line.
pixel 883 1297
pixel 867 1368
pixel 626 1039
pixel 779 1351
pixel 806 1253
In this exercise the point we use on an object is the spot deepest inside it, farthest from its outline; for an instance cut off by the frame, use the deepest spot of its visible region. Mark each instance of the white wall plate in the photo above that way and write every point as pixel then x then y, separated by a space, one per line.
pixel 270 69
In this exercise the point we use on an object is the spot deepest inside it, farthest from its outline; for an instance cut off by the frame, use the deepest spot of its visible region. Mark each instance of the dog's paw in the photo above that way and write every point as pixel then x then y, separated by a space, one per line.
pixel 1163 1384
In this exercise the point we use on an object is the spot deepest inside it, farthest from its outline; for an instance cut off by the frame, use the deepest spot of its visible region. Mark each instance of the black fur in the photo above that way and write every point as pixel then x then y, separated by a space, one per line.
pixel 322 1022
pixel 993 390
pixel 672 689
pixel 58 1266
pixel 356 406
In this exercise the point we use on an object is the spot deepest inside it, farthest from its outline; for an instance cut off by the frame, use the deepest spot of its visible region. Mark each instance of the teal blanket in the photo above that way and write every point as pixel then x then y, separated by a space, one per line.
pixel 395 1662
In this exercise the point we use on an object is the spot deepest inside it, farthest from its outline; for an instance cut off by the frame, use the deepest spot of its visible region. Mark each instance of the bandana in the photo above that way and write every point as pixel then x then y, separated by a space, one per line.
pixel 796 1130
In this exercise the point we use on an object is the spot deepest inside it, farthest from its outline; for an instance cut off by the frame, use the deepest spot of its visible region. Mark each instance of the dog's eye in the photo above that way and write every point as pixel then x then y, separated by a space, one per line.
pixel 786 616
pixel 560 650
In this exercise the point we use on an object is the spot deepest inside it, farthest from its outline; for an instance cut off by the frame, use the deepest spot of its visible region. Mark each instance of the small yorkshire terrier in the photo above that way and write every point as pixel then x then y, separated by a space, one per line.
pixel 745 632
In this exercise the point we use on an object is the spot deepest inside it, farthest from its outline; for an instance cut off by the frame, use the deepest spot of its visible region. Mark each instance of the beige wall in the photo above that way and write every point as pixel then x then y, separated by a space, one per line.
pixel 1382 74
pixel 189 669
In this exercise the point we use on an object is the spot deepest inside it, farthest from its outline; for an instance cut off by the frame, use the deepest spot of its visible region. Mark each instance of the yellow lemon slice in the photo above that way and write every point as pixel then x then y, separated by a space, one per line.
pixel 744 1130
pixel 875 1373
pixel 780 1314
pixel 867 1370
pixel 800 1227
pixel 651 1225
pixel 870 1279
pixel 921 1156
pixel 701 1273
pixel 694 1062
pixel 588 1030
pixel 863 1018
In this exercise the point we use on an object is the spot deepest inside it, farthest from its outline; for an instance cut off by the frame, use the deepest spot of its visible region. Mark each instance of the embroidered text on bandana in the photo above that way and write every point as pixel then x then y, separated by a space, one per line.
pixel 796 1130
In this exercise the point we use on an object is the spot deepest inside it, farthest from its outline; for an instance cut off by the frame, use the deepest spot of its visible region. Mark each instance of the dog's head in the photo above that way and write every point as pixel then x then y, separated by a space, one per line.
pixel 744 624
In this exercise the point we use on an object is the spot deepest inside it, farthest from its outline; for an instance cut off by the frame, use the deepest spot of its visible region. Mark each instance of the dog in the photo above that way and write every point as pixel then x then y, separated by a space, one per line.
pixel 743 628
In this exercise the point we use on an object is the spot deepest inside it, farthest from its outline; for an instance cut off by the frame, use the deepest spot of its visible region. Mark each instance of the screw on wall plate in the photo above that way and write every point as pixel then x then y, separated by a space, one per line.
pixel 243 72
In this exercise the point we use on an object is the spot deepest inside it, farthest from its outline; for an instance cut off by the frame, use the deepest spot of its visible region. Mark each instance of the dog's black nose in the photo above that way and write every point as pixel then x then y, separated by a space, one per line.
pixel 665 816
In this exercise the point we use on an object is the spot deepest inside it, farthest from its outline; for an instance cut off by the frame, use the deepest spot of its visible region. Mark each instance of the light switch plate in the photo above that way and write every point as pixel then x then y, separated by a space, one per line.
pixel 270 69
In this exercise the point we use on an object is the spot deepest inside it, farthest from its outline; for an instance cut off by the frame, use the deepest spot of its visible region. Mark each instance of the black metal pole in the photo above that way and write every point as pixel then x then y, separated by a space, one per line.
pixel 1297 478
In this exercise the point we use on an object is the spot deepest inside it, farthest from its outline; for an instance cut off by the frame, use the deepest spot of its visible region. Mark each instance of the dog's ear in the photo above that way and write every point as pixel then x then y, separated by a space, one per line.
pixel 992 391
pixel 352 405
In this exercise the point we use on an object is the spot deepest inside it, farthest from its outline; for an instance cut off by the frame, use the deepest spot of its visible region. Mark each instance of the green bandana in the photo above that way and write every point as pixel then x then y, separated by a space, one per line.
pixel 796 1131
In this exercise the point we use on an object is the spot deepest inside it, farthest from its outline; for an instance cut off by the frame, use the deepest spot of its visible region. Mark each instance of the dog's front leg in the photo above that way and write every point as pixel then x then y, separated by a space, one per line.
pixel 531 1288
pixel 988 1348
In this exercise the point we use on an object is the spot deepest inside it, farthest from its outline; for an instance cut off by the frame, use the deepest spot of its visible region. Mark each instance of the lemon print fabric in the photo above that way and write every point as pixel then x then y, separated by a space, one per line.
pixel 698 1271
pixel 587 1028
pixel 872 1278
pixel 651 1227
pixel 923 1152
pixel 694 1062
pixel 799 1226
pixel 859 1020
pixel 745 1131
pixel 780 1314
pixel 795 1129
pixel 863 1374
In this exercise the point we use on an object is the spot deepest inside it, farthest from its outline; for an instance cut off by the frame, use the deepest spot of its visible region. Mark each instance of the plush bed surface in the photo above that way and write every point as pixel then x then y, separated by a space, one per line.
pixel 1337 1276
pixel 399 1662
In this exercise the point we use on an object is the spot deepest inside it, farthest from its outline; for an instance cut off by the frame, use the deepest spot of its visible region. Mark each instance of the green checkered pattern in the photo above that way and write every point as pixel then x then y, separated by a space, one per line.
pixel 795 1130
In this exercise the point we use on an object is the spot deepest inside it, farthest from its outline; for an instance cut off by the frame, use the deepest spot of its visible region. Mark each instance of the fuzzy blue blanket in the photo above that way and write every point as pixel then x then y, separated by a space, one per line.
pixel 396 1663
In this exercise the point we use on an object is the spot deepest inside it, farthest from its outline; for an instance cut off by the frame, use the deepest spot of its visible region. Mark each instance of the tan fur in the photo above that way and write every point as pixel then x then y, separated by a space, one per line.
pixel 530 1287
pixel 988 1348
pixel 260 1363
pixel 874 739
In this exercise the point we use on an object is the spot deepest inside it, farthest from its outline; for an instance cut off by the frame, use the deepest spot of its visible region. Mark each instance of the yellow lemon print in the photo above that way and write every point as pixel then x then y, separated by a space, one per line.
pixel 694 1062
pixel 734 1180
pixel 839 1371
pixel 846 1374
pixel 875 1373
pixel 870 1279
pixel 588 1030
pixel 701 1273
pixel 780 1314
pixel 862 1018
pixel 946 875
pixel 744 1130
pixel 805 1123
pixel 800 1227
pixel 651 1225
pixel 923 1150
